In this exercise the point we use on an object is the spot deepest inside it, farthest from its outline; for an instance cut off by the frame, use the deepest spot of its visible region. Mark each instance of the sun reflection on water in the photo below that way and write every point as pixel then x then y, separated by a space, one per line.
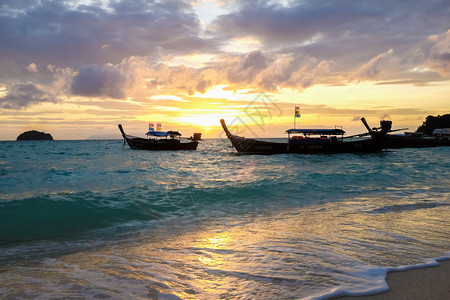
pixel 269 254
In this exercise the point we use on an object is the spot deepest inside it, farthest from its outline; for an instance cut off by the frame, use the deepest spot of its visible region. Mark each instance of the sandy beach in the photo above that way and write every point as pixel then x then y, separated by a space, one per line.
pixel 431 283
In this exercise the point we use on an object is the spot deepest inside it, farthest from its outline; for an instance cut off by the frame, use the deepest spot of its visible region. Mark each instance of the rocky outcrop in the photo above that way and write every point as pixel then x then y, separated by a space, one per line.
pixel 34 135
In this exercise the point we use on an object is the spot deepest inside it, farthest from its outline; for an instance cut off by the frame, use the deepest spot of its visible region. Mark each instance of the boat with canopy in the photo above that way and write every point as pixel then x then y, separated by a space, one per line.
pixel 311 141
pixel 158 140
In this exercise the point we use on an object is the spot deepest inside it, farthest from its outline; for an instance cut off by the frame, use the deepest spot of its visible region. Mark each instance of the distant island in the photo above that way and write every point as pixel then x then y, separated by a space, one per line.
pixel 34 135
pixel 431 123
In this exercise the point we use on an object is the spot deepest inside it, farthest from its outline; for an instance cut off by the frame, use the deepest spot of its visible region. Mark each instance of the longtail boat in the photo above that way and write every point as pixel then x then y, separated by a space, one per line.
pixel 328 141
pixel 158 140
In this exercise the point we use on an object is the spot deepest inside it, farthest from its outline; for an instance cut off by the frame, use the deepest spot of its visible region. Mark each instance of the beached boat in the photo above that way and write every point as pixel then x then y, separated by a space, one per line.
pixel 327 141
pixel 158 140
pixel 439 137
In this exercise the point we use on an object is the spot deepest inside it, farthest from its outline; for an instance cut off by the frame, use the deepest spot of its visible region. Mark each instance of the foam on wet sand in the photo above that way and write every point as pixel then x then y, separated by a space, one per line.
pixel 423 283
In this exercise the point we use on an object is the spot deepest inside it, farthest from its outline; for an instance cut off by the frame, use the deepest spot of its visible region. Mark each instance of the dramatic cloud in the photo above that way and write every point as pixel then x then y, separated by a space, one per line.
pixel 246 69
pixel 22 95
pixel 349 32
pixel 122 49
pixel 274 70
pixel 271 71
pixel 377 66
pixel 434 53
pixel 99 81
pixel 65 33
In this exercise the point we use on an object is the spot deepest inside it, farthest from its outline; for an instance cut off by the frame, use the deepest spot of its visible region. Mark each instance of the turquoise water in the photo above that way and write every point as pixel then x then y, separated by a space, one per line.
pixel 94 219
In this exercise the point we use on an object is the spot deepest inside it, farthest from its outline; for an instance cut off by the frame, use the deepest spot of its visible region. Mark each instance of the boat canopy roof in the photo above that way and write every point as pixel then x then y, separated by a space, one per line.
pixel 335 131
pixel 163 133
pixel 173 133
pixel 157 133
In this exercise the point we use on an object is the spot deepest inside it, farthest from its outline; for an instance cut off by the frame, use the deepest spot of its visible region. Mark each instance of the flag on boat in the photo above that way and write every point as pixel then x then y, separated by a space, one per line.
pixel 297 112
pixel 151 127
pixel 158 127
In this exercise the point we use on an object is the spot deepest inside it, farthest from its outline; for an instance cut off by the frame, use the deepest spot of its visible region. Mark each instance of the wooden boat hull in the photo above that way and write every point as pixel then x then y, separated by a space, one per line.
pixel 155 144
pixel 338 146
pixel 304 146
pixel 401 141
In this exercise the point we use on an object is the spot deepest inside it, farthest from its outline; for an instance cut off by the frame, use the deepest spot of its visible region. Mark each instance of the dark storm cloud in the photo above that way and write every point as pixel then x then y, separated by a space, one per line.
pixel 62 33
pixel 23 95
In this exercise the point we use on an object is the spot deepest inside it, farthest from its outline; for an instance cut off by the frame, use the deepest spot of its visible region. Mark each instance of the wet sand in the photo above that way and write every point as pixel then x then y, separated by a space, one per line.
pixel 431 283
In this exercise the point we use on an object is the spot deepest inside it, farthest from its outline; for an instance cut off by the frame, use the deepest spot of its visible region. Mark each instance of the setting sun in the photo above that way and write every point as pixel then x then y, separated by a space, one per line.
pixel 205 120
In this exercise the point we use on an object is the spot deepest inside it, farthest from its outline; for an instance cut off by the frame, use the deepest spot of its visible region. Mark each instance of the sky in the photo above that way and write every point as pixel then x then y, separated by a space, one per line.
pixel 76 69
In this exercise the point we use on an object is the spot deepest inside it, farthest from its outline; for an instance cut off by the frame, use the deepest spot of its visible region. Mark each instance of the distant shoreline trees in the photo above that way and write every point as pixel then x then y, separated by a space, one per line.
pixel 432 122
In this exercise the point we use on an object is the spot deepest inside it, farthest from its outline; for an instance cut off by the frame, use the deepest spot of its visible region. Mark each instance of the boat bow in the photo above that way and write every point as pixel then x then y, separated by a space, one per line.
pixel 252 146
pixel 225 128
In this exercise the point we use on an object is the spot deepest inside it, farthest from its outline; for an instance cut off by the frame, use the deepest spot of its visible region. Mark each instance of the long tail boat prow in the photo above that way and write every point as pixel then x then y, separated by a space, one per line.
pixel 311 141
pixel 225 128
pixel 252 146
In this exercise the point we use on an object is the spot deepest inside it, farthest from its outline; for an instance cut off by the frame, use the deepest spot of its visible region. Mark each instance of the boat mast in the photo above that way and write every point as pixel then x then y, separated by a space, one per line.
pixel 296 114
pixel 294 120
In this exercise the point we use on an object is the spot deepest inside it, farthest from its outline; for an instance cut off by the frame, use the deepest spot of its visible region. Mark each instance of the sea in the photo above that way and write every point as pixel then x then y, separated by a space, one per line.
pixel 97 220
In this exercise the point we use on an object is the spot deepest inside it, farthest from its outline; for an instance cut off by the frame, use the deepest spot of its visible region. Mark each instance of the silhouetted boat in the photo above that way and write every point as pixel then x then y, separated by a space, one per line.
pixel 440 137
pixel 159 140
pixel 328 141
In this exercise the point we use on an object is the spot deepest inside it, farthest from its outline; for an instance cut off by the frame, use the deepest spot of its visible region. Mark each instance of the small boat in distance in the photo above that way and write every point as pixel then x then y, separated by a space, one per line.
pixel 328 141
pixel 158 140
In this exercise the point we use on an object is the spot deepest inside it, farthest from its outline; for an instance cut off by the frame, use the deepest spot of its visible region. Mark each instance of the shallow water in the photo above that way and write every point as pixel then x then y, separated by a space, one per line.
pixel 95 219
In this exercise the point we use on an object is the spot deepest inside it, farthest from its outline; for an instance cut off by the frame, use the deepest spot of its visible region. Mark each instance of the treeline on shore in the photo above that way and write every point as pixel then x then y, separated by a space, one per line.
pixel 431 123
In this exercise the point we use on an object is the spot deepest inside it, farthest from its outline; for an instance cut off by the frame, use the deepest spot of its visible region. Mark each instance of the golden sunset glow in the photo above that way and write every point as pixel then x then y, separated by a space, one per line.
pixel 217 92
pixel 204 120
